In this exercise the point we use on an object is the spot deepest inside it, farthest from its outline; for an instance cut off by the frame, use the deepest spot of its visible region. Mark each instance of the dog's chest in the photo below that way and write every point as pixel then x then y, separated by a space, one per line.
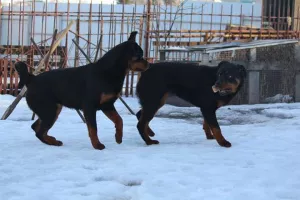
pixel 107 99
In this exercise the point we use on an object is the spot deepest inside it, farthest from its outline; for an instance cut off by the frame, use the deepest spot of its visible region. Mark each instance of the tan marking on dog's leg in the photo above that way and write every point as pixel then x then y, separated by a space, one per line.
pixel 52 140
pixel 118 121
pixel 207 131
pixel 94 138
pixel 106 97
pixel 219 137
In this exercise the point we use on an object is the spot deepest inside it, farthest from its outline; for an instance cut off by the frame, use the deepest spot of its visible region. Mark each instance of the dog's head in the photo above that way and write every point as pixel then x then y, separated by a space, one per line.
pixel 230 78
pixel 125 56
pixel 134 54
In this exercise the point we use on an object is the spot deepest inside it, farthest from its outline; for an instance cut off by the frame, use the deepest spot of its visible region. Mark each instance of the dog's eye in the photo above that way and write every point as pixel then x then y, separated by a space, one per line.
pixel 231 79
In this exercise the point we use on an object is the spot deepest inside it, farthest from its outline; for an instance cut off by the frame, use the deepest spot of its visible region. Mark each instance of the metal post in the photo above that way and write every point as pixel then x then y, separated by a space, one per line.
pixel 205 58
pixel 253 87
pixel 162 55
pixel 148 19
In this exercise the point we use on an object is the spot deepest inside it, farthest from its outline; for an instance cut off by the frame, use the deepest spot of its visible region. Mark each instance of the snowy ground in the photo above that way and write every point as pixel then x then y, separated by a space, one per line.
pixel 262 164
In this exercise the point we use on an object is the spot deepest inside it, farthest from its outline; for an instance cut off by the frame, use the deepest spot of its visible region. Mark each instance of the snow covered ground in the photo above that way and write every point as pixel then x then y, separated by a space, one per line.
pixel 262 164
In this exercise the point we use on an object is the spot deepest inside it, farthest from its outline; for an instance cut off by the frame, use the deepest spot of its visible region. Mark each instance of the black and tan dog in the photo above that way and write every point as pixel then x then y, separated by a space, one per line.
pixel 89 88
pixel 205 87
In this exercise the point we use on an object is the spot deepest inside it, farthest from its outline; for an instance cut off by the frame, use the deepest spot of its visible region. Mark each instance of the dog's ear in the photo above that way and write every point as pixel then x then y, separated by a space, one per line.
pixel 132 36
pixel 242 71
pixel 223 62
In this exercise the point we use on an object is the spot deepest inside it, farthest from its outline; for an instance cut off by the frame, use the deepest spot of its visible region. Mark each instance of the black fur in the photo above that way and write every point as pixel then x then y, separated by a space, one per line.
pixel 192 83
pixel 92 87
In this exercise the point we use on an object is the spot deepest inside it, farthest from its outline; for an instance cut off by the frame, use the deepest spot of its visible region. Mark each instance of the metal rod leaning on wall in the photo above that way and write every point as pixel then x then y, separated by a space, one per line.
pixel 90 61
pixel 47 64
pixel 98 48
pixel 41 64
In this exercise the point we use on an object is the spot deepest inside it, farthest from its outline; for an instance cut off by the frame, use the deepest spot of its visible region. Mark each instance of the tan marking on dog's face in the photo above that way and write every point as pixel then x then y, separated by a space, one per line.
pixel 229 88
pixel 138 65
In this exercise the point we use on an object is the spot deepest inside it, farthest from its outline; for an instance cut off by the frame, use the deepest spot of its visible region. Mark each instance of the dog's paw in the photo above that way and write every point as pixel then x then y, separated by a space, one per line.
pixel 50 140
pixel 58 143
pixel 118 138
pixel 99 146
pixel 225 143
pixel 150 142
pixel 55 142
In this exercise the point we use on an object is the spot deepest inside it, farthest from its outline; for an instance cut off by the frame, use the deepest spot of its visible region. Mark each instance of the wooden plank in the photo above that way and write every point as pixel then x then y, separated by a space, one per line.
pixel 224 31
pixel 182 43
pixel 11 108
pixel 60 36
pixel 255 35
pixel 242 33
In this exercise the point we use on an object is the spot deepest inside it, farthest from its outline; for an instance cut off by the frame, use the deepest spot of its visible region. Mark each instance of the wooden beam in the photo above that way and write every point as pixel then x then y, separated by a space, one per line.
pixel 55 44
pixel 11 108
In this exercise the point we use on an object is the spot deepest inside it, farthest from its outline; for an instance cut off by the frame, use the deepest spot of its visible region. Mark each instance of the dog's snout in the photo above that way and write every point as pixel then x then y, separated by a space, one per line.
pixel 218 83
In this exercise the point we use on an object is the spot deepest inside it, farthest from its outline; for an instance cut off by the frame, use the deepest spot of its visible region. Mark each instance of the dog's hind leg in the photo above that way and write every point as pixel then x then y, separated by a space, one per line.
pixel 48 114
pixel 90 117
pixel 143 124
pixel 150 132
pixel 36 125
pixel 111 113
pixel 147 113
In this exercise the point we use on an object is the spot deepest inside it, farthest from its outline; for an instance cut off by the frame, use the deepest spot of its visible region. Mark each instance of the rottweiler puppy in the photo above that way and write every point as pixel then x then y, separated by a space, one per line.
pixel 205 87
pixel 89 88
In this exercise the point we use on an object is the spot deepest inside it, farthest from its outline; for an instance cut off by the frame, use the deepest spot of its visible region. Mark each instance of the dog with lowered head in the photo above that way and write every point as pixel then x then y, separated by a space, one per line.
pixel 205 87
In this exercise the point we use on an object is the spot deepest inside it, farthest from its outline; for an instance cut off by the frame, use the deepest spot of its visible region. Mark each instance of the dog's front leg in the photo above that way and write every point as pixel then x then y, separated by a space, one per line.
pixel 112 114
pixel 211 119
pixel 90 117
pixel 206 127
pixel 207 131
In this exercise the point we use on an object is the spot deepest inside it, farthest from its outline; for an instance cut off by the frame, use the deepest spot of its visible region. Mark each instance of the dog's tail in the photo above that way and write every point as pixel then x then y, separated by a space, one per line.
pixel 25 77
